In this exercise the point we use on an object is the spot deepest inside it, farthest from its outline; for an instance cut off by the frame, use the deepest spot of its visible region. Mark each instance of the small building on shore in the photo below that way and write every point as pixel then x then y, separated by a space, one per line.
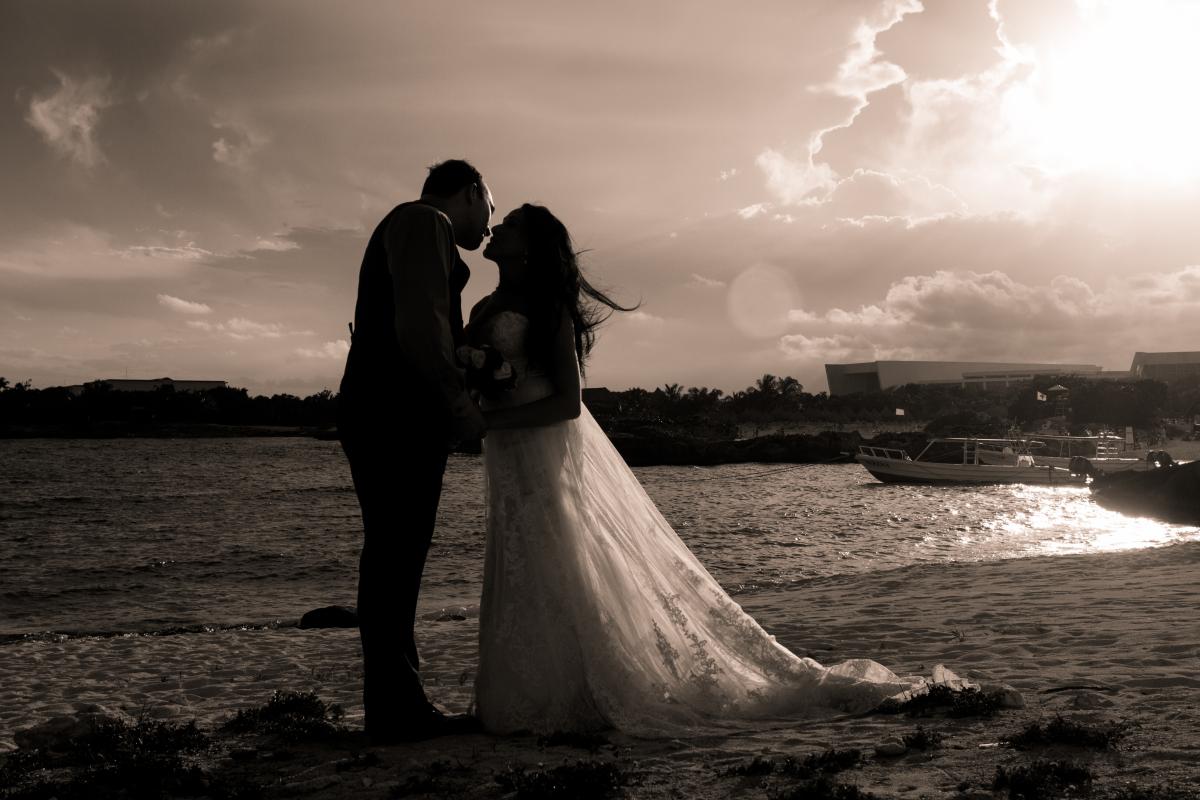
pixel 150 385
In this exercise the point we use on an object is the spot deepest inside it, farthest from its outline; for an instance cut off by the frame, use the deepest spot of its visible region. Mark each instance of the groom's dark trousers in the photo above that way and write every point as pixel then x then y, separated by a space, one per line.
pixel 398 482
pixel 399 393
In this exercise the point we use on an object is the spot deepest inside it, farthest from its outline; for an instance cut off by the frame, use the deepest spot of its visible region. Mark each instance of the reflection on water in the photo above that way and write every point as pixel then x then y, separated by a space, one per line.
pixel 818 520
pixel 149 534
pixel 1054 523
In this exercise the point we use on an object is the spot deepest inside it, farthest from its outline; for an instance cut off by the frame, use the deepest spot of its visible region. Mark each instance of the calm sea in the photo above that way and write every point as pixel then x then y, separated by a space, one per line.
pixel 142 535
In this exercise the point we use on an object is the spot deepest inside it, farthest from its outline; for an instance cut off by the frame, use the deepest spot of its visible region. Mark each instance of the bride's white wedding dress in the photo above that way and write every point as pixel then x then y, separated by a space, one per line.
pixel 595 614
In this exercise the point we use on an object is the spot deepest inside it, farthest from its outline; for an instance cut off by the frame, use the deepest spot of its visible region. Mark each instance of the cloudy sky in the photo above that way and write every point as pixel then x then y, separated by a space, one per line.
pixel 188 187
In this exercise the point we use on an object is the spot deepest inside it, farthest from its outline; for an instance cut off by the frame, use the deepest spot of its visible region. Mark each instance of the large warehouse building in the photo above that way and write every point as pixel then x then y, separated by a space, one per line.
pixel 1165 366
pixel 874 376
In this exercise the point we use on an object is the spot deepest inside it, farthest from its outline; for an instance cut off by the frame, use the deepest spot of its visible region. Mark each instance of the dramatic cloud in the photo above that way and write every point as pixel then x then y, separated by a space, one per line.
pixel 67 118
pixel 1020 117
pixel 183 306
pixel 187 252
pixel 989 316
pixel 275 244
pixel 833 180
pixel 805 179
pixel 78 251
pixel 242 329
pixel 237 144
pixel 867 196
pixel 795 182
pixel 702 282
pixel 834 349
pixel 331 350
pixel 641 318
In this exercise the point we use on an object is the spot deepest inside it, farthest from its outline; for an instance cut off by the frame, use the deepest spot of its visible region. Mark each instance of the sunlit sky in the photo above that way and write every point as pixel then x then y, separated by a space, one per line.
pixel 188 187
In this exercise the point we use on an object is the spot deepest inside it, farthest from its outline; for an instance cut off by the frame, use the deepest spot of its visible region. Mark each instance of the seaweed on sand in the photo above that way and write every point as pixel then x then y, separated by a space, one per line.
pixel 583 780
pixel 293 716
pixel 821 787
pixel 1064 731
pixel 824 762
pixel 922 739
pixel 118 759
pixel 1043 780
pixel 962 703
pixel 808 777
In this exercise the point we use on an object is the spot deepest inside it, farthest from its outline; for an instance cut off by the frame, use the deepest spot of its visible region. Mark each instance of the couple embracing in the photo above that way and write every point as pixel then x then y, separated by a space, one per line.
pixel 594 613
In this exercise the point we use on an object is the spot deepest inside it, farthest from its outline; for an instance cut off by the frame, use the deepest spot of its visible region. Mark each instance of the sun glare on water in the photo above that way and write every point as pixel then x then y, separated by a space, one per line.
pixel 1054 521
pixel 1117 95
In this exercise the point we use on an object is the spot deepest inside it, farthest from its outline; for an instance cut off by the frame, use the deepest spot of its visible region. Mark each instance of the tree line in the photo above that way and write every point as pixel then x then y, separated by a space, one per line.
pixel 943 409
pixel 23 406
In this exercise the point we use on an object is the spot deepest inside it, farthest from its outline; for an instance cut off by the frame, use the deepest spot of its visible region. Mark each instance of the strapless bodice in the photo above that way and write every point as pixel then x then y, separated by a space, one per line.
pixel 507 332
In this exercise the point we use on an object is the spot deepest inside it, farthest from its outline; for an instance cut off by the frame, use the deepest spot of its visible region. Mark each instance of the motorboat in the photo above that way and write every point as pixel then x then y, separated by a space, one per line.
pixel 965 460
pixel 1104 453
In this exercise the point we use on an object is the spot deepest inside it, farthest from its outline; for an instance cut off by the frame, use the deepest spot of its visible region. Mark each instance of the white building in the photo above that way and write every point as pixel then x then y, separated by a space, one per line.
pixel 1165 366
pixel 874 376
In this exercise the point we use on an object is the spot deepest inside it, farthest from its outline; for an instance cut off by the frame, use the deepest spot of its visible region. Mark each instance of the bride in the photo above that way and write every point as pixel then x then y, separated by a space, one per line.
pixel 594 613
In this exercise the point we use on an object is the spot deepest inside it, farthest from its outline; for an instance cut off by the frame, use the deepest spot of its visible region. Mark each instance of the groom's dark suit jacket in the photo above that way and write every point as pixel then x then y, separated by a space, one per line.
pixel 401 372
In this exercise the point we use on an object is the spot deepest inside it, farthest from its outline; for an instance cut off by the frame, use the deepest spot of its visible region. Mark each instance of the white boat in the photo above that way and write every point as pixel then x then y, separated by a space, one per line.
pixel 1106 453
pixel 964 460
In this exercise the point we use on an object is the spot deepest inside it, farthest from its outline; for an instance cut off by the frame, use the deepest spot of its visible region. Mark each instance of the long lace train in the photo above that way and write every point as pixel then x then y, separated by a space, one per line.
pixel 595 613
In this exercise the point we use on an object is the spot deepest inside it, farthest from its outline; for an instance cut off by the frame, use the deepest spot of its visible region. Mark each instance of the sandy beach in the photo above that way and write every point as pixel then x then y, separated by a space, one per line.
pixel 1103 640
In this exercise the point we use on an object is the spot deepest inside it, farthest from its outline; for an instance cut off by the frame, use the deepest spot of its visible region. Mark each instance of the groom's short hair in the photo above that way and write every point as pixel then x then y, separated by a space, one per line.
pixel 448 177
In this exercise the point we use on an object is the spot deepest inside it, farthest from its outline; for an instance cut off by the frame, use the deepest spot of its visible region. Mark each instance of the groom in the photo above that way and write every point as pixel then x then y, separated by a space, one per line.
pixel 403 405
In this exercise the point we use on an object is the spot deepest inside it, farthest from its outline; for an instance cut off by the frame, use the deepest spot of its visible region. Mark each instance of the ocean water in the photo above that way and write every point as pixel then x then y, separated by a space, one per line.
pixel 166 576
pixel 145 535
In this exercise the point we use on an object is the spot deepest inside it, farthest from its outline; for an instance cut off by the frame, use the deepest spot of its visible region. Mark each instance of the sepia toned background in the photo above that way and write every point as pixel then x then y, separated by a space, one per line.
pixel 188 187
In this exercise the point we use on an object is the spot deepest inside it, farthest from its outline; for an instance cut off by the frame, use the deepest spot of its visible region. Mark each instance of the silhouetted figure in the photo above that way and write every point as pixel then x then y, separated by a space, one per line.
pixel 403 404
pixel 594 614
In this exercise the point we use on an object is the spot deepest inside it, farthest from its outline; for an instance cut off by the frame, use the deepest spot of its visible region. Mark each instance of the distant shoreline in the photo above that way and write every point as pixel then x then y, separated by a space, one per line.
pixel 182 430
pixel 643 446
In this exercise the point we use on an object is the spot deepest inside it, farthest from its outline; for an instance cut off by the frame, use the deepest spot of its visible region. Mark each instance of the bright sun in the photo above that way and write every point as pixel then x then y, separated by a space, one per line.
pixel 1119 95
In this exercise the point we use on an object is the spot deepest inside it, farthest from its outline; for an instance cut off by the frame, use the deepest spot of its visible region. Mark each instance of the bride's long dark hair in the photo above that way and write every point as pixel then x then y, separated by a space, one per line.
pixel 558 284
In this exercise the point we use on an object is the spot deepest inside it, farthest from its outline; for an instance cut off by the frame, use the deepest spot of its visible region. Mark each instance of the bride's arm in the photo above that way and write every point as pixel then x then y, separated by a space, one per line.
pixel 564 404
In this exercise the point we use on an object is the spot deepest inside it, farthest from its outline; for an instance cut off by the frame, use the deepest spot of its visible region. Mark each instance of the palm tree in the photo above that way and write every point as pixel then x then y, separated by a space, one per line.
pixel 673 391
pixel 767 385
pixel 790 387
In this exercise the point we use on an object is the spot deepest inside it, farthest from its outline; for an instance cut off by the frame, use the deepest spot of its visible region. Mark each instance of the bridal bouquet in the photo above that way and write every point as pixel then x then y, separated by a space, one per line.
pixel 487 371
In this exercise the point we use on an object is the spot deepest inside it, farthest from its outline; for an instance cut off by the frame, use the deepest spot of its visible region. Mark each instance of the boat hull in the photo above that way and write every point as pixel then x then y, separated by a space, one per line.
pixel 1105 465
pixel 894 470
